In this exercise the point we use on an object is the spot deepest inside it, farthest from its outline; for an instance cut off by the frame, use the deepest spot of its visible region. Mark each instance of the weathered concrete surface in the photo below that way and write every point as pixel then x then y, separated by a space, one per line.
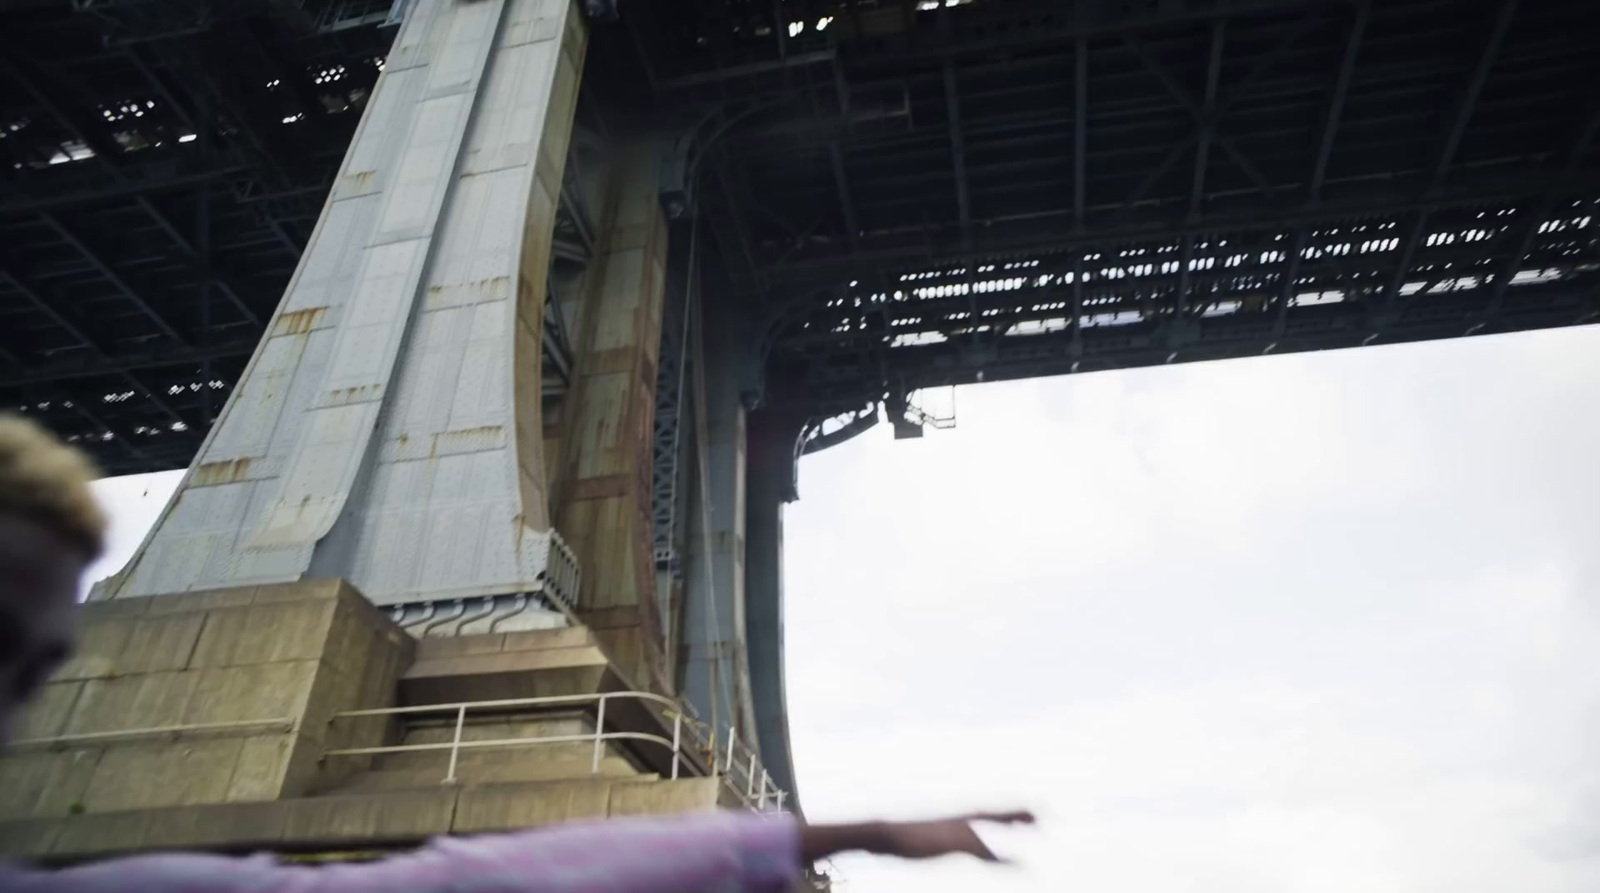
pixel 244 680
pixel 541 762
pixel 605 492
pixel 385 818
pixel 531 664
pixel 540 664
pixel 389 428
pixel 278 662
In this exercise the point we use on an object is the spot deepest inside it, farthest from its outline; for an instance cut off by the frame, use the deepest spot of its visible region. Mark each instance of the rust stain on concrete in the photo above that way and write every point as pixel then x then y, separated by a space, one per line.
pixel 361 393
pixel 466 439
pixel 208 474
pixel 298 322
pixel 494 288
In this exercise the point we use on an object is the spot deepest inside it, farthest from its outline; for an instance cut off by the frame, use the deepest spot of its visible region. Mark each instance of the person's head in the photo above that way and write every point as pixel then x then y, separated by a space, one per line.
pixel 51 530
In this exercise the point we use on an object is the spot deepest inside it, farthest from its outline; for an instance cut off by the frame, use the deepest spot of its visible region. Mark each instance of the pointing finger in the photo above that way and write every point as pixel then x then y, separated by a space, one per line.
pixel 1020 817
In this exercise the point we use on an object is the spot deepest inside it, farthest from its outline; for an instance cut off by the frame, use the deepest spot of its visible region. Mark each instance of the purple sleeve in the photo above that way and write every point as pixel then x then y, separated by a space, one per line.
pixel 686 854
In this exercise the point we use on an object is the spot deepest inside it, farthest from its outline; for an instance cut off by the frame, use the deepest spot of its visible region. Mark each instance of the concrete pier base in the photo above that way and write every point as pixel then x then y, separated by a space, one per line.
pixel 206 720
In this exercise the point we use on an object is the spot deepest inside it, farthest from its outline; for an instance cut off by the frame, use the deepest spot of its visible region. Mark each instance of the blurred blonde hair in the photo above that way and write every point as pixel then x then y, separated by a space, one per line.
pixel 46 481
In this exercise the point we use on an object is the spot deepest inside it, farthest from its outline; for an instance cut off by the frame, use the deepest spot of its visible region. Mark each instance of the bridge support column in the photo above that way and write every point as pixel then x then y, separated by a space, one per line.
pixel 388 429
pixel 773 441
pixel 606 489
pixel 388 438
pixel 716 672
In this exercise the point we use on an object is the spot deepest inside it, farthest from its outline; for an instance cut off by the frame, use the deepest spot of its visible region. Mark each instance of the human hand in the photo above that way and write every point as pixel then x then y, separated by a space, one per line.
pixel 943 837
pixel 909 840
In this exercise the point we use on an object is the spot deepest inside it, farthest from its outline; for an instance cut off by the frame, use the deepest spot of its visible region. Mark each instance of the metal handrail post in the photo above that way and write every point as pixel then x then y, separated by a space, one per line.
pixel 677 741
pixel 455 744
pixel 723 760
pixel 599 735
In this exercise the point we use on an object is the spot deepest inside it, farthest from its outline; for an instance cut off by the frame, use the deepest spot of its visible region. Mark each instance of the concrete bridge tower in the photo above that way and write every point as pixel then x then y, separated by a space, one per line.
pixel 392 514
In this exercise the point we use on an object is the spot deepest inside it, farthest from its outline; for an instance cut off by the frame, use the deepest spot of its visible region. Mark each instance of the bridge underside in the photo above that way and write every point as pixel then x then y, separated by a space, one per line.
pixel 906 198
pixel 861 201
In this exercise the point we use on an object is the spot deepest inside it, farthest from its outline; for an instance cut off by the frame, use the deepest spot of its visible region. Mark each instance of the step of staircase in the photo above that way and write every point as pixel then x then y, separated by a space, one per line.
pixel 522 769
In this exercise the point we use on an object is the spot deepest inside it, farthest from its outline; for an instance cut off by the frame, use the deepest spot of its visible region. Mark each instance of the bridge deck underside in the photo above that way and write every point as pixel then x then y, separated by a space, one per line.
pixel 908 199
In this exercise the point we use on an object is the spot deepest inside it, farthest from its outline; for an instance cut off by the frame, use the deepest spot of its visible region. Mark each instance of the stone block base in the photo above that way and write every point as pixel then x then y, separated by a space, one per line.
pixel 213 697
pixel 394 819
pixel 206 721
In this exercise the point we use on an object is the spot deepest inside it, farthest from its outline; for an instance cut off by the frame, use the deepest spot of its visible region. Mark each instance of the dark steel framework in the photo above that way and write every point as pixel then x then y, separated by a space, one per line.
pixel 913 194
pixel 162 165
pixel 929 194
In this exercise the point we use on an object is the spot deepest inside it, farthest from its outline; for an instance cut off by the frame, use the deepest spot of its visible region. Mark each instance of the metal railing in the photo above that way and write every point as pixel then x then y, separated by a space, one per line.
pixel 739 760
pixel 738 767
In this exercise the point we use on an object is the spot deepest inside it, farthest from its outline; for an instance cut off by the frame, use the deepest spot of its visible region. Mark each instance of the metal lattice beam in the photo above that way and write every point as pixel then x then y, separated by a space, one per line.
pixel 47 308
pixel 115 278
pixel 1319 167
pixel 1341 94
pixel 1205 115
pixel 843 387
pixel 672 368
pixel 1447 150
pixel 1531 223
pixel 198 260
pixel 1206 125
pixel 50 395
pixel 1206 121
pixel 1048 236
pixel 965 139
pixel 958 154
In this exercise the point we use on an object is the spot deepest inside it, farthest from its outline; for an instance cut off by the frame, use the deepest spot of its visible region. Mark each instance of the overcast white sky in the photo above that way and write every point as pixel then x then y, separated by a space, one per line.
pixel 1305 624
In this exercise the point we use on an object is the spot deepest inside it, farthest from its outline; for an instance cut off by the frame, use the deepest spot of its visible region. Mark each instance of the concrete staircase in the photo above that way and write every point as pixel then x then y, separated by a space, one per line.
pixel 509 763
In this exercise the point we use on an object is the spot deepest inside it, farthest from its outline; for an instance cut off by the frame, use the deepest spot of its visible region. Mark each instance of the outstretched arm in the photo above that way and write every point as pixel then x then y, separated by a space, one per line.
pixel 907 840
pixel 663 855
